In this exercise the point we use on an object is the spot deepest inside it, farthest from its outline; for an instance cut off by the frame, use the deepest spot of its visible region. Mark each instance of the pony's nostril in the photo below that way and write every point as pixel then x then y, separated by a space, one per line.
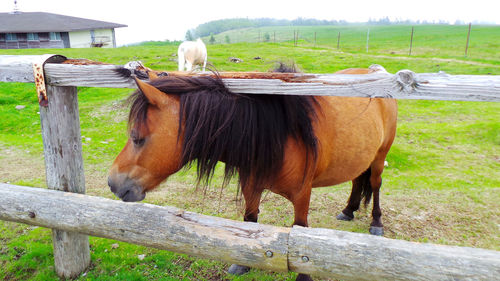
pixel 111 185
pixel 124 195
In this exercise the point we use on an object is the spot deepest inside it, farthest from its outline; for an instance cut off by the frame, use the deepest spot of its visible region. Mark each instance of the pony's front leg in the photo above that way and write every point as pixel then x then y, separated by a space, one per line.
pixel 252 201
pixel 301 208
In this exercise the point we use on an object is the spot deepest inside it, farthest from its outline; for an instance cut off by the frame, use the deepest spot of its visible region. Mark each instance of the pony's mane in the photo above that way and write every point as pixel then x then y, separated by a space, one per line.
pixel 247 132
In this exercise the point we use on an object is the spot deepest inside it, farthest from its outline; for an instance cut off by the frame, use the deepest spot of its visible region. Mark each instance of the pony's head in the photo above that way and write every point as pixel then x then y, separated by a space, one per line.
pixel 174 121
pixel 152 152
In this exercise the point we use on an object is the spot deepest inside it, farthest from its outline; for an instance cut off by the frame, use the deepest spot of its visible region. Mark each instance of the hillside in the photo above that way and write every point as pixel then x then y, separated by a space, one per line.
pixel 218 26
pixel 222 25
pixel 445 41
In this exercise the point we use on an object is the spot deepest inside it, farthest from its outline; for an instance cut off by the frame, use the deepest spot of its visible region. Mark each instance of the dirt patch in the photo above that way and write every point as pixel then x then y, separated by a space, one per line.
pixel 436 60
pixel 18 165
pixel 117 110
pixel 404 57
pixel 443 217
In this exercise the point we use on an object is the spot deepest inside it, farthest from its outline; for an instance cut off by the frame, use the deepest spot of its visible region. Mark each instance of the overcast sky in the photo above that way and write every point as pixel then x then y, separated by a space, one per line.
pixel 170 19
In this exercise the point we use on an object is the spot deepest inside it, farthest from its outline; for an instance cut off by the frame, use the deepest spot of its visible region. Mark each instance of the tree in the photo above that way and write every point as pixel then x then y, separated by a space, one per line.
pixel 267 37
pixel 189 36
pixel 212 39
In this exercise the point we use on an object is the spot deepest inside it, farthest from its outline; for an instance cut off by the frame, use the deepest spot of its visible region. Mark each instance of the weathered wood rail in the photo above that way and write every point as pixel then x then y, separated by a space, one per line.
pixel 323 252
pixel 405 84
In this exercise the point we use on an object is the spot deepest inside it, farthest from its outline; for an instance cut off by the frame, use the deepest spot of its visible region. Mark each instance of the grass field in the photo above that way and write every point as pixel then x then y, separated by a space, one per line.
pixel 443 41
pixel 442 184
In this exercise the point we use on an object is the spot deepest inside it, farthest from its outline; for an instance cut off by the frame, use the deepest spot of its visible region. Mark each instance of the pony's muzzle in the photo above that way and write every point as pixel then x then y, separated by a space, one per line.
pixel 126 188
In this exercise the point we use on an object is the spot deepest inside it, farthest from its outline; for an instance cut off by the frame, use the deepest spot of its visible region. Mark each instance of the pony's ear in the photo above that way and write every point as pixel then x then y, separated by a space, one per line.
pixel 154 96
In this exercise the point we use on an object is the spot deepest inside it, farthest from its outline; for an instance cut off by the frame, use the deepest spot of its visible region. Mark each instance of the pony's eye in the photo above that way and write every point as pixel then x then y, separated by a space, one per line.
pixel 136 138
pixel 138 142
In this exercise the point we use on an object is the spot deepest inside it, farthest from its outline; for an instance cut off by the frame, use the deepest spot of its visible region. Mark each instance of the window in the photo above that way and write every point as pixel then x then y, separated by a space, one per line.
pixel 55 36
pixel 10 37
pixel 32 36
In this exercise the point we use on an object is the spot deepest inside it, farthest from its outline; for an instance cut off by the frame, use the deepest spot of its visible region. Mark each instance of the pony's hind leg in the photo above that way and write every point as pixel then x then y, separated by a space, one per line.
pixel 376 227
pixel 252 202
pixel 360 188
pixel 365 185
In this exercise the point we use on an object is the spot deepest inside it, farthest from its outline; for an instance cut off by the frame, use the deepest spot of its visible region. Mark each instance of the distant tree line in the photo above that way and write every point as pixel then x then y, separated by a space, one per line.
pixel 387 21
pixel 219 26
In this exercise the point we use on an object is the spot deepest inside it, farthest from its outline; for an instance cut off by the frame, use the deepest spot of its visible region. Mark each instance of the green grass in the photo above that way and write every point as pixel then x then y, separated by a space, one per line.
pixel 441 185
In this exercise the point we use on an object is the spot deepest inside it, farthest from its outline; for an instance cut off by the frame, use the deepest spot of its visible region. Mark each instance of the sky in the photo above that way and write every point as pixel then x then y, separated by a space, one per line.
pixel 168 19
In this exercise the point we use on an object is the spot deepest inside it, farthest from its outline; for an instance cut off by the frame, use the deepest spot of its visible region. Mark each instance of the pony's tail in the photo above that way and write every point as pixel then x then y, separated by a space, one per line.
pixel 366 187
pixel 182 60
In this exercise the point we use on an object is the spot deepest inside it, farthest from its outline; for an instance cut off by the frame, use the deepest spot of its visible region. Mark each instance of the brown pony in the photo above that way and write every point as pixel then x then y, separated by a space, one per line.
pixel 287 144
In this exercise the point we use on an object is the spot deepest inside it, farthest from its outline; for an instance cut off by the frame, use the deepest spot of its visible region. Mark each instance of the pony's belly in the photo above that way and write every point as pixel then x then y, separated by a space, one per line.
pixel 327 181
pixel 339 174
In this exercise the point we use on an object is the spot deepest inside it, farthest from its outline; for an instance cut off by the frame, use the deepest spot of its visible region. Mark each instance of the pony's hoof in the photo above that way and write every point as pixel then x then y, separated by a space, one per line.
pixel 303 277
pixel 235 269
pixel 344 217
pixel 377 230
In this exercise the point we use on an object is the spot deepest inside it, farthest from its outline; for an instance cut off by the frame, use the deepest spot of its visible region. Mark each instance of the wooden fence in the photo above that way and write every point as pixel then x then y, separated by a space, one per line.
pixel 323 252
pixel 337 32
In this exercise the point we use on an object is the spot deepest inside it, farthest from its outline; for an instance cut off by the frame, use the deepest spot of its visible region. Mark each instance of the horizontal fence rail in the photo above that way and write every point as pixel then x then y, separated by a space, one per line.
pixel 405 84
pixel 317 251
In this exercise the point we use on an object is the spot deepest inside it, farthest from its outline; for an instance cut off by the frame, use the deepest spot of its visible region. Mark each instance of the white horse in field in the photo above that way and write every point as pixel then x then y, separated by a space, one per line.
pixel 192 53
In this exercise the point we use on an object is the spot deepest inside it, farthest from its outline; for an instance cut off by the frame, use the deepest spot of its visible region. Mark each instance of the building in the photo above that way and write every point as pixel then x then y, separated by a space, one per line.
pixel 19 30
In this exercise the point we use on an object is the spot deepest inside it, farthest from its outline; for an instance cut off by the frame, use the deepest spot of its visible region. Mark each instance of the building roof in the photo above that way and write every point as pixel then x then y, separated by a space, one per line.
pixel 20 22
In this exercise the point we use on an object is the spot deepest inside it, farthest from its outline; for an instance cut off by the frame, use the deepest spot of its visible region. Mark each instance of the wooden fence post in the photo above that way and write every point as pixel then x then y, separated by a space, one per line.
pixel 411 39
pixel 338 41
pixel 468 38
pixel 367 40
pixel 295 37
pixel 64 171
